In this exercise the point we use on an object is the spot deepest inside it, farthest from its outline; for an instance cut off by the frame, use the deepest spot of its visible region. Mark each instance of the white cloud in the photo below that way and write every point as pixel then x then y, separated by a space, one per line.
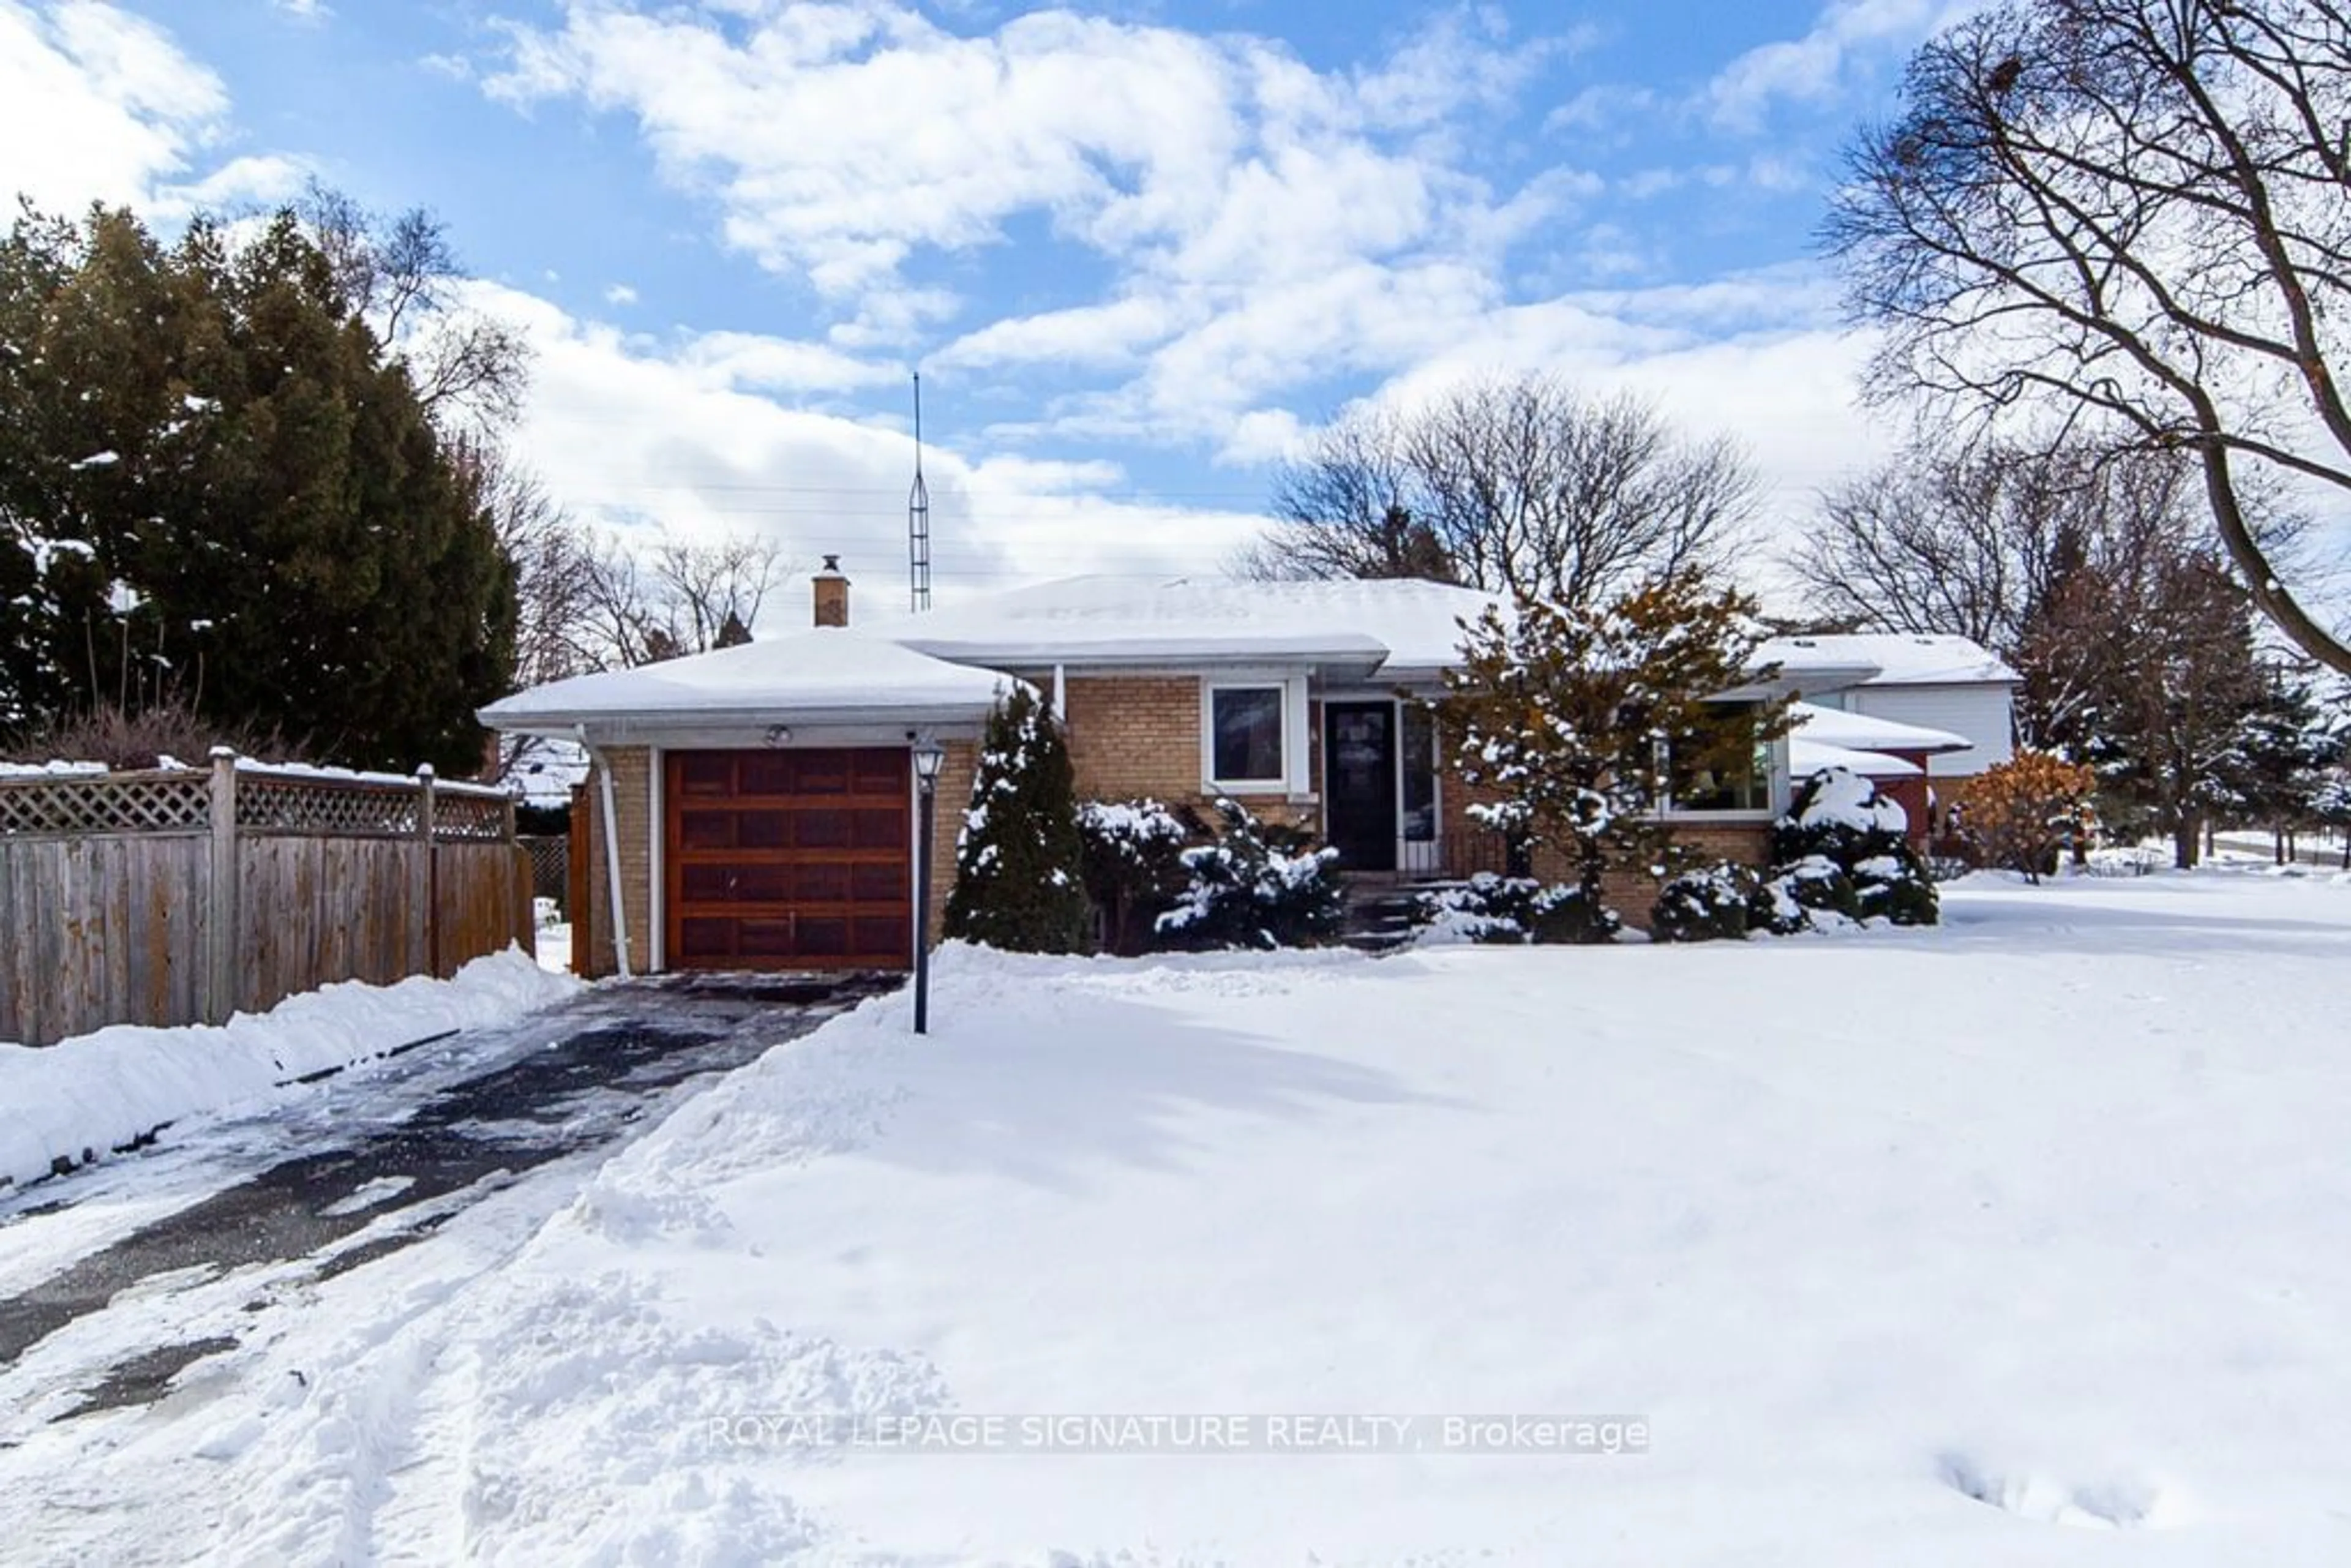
pixel 1613 111
pixel 97 104
pixel 620 294
pixel 1266 225
pixel 1250 231
pixel 704 437
pixel 1816 67
pixel 304 10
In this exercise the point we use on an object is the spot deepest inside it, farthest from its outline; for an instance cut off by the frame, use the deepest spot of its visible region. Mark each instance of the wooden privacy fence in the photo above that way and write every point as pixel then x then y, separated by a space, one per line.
pixel 181 896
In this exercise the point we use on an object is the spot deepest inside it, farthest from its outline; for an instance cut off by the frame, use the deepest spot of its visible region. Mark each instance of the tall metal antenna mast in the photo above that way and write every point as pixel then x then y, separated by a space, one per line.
pixel 918 516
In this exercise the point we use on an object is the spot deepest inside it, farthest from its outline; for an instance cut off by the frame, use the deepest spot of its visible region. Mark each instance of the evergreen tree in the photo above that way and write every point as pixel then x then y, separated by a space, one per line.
pixel 2288 742
pixel 1584 720
pixel 216 490
pixel 1020 860
pixel 2178 692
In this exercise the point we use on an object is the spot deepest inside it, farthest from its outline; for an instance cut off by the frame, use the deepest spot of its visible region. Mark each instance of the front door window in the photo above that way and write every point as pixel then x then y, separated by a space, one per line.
pixel 1419 774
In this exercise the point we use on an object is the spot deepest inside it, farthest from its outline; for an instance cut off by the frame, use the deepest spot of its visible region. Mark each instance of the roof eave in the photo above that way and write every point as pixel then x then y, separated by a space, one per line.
pixel 623 724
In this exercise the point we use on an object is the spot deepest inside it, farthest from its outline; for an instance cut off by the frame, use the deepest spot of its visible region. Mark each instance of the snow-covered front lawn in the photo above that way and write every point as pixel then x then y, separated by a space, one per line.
pixel 2025 1240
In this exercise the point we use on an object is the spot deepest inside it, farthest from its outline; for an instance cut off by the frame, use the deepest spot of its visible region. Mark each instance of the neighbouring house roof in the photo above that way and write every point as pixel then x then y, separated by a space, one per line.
pixel 546 771
pixel 1903 659
pixel 1865 732
pixel 1808 756
pixel 826 675
pixel 1396 626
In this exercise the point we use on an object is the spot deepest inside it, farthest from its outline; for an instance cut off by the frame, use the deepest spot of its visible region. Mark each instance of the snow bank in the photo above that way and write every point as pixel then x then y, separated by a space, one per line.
pixel 99 1091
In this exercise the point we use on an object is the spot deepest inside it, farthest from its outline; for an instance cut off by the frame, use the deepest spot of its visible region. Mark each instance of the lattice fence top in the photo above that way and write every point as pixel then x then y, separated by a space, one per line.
pixel 180 801
pixel 329 809
pixel 468 816
pixel 75 804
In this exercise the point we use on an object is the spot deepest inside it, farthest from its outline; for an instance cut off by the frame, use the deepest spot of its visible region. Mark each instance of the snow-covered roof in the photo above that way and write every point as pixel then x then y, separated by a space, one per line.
pixel 1394 625
pixel 1902 658
pixel 1808 756
pixel 827 673
pixel 1865 732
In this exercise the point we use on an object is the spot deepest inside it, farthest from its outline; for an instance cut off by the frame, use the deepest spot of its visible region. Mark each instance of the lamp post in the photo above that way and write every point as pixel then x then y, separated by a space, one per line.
pixel 928 754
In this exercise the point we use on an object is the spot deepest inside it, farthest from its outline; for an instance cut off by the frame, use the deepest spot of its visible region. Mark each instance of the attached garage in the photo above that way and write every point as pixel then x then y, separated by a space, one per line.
pixel 755 807
pixel 790 859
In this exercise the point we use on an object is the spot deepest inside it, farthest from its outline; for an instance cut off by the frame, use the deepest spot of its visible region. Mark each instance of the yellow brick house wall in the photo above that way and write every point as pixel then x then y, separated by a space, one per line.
pixel 1137 737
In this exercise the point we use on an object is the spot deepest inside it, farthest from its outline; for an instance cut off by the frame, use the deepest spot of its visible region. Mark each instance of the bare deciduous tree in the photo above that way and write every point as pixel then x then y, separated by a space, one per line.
pixel 2050 558
pixel 401 275
pixel 1521 485
pixel 677 599
pixel 2131 213
pixel 1965 540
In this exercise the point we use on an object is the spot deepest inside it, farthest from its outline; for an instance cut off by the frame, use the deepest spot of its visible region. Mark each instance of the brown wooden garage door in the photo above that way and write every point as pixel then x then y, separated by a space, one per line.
pixel 789 859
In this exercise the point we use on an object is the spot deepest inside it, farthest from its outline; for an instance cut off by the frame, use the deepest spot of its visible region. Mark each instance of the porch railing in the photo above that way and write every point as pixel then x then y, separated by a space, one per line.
pixel 1453 856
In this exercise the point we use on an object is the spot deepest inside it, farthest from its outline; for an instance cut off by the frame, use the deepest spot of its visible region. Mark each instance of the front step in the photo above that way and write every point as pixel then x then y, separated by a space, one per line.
pixel 1381 917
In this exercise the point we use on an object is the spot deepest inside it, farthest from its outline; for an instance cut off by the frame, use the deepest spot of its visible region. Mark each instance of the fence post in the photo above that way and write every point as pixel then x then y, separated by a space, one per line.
pixel 424 807
pixel 220 919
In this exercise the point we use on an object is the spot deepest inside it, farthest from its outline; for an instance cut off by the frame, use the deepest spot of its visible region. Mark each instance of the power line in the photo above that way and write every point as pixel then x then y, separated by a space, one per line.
pixel 1129 494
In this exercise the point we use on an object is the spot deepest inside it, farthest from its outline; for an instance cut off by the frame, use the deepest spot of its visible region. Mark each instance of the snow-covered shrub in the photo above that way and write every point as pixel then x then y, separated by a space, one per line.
pixel 1133 867
pixel 1838 813
pixel 1255 887
pixel 1018 858
pixel 1707 904
pixel 1815 885
pixel 1838 817
pixel 1775 907
pixel 1899 889
pixel 1516 909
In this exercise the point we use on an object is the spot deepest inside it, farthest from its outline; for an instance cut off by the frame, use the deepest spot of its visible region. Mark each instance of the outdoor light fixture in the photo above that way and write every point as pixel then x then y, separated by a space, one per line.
pixel 928 756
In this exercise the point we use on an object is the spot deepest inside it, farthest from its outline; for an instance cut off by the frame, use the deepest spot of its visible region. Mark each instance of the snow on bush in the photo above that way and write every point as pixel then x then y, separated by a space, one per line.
pixel 1819 893
pixel 1132 860
pixel 1515 909
pixel 1844 849
pixel 1257 886
pixel 62 1104
pixel 1707 904
pixel 1017 883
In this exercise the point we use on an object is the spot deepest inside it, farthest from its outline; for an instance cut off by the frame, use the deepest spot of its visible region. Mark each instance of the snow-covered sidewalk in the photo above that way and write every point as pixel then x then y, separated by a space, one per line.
pixel 80 1098
pixel 2017 1241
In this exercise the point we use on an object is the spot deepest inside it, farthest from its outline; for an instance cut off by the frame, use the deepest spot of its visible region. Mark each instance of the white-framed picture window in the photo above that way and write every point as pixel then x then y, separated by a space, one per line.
pixel 1247 741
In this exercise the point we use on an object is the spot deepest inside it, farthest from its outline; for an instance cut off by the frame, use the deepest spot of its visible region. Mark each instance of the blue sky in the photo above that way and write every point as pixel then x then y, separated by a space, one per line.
pixel 1137 250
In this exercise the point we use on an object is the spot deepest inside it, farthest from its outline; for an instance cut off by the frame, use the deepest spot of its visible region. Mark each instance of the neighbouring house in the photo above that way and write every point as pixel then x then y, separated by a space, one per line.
pixel 755 808
pixel 1925 684
pixel 1894 756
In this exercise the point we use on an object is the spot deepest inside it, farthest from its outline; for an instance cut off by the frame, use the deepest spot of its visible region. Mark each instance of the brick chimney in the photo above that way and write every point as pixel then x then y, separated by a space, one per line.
pixel 831 594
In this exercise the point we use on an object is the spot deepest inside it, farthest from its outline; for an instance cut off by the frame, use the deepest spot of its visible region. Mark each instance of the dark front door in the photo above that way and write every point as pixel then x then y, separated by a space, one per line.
pixel 1359 783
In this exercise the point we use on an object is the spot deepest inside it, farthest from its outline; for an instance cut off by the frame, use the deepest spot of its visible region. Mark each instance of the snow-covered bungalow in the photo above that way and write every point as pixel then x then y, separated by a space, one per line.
pixel 755 808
